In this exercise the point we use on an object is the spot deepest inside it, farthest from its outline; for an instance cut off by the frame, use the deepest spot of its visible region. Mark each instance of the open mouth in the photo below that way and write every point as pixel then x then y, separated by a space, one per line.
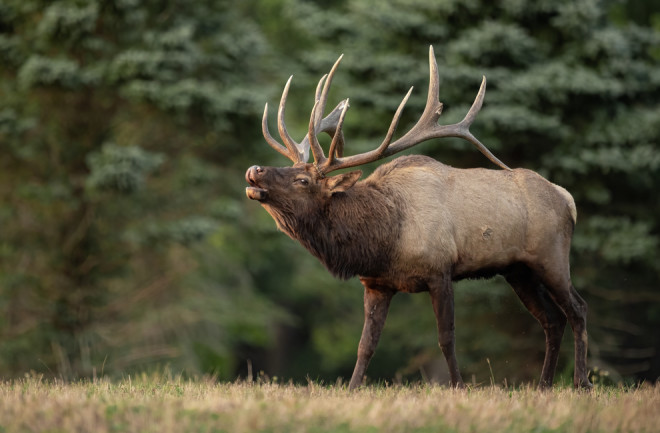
pixel 254 192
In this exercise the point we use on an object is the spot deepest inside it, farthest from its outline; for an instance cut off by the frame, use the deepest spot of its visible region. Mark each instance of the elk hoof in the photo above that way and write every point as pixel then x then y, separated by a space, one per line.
pixel 584 386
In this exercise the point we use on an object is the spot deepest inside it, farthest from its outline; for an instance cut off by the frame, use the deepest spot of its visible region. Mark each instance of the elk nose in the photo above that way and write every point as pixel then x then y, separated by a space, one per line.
pixel 252 173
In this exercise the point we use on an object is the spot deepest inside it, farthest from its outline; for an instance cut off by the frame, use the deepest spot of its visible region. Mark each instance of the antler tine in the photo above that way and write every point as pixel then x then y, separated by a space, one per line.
pixel 315 146
pixel 319 87
pixel 271 141
pixel 433 108
pixel 290 143
pixel 476 105
pixel 337 136
pixel 395 122
pixel 329 126
pixel 323 98
pixel 469 118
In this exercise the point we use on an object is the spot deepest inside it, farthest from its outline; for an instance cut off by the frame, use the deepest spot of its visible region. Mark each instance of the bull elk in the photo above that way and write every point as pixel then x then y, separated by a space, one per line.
pixel 416 225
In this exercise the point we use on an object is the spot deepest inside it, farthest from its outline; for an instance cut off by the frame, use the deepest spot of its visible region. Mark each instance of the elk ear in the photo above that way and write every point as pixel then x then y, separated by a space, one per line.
pixel 341 182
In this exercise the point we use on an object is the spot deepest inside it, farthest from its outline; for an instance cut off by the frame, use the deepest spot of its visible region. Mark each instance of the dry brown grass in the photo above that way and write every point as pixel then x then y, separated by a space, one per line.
pixel 169 405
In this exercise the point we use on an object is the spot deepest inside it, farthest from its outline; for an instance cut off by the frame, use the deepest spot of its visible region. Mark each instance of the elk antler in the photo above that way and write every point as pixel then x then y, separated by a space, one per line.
pixel 425 129
pixel 299 152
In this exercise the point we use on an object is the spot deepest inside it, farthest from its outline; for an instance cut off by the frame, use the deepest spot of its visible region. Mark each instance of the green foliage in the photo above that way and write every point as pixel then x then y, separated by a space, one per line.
pixel 67 23
pixel 110 121
pixel 121 169
pixel 619 240
pixel 126 127
pixel 43 71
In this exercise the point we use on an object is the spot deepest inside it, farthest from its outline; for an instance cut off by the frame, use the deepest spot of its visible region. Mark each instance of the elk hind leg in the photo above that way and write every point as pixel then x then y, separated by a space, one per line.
pixel 377 299
pixel 536 299
pixel 558 282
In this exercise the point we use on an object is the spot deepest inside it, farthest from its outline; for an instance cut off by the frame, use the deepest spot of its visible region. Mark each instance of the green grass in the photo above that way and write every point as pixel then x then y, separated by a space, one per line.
pixel 159 404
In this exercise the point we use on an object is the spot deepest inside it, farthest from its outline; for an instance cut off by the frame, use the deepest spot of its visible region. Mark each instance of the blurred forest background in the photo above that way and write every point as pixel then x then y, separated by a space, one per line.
pixel 126 127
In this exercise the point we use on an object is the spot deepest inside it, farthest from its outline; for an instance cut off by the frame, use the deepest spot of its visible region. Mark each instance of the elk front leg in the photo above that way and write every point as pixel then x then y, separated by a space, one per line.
pixel 376 304
pixel 442 298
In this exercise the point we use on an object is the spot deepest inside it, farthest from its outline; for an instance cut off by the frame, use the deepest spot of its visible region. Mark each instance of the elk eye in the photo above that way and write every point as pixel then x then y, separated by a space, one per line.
pixel 302 181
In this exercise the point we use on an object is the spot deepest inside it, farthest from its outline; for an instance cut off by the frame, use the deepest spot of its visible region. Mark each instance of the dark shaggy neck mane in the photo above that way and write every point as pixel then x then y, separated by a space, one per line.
pixel 352 234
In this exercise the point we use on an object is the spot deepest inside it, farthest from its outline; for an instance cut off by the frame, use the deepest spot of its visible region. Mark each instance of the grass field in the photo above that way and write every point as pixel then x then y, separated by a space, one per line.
pixel 159 404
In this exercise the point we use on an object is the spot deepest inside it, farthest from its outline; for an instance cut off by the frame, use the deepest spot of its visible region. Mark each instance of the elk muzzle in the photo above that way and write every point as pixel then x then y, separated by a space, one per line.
pixel 254 192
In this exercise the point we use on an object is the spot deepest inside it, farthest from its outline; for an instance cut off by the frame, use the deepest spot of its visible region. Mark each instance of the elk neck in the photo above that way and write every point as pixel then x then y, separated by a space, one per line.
pixel 352 233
